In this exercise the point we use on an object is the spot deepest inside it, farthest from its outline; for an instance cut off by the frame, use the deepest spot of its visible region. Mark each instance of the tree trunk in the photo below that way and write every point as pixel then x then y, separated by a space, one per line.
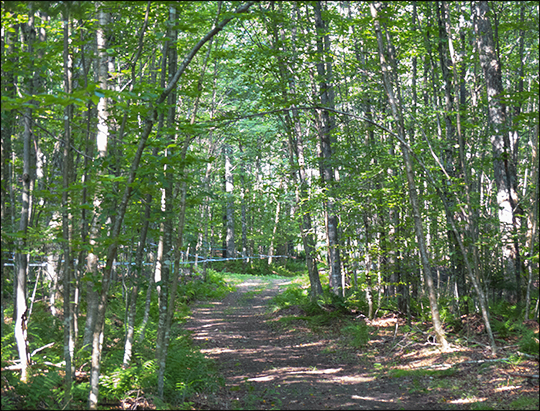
pixel 503 156
pixel 396 112
pixel 93 326
pixel 138 270
pixel 296 146
pixel 7 129
pixel 229 214
pixel 69 337
pixel 112 249
pixel 532 224
pixel 139 256
pixel 21 255
pixel 276 223
pixel 456 263
pixel 243 211
pixel 102 144
pixel 169 271
pixel 324 71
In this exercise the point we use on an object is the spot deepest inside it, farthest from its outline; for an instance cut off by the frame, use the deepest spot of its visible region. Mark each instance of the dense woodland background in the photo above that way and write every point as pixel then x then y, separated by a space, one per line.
pixel 388 149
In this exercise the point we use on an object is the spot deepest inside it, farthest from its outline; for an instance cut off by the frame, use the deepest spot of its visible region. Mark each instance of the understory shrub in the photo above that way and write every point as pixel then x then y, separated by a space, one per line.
pixel 420 308
pixel 40 392
pixel 259 266
pixel 529 343
pixel 188 371
pixel 294 295
pixel 356 300
pixel 214 287
pixel 358 334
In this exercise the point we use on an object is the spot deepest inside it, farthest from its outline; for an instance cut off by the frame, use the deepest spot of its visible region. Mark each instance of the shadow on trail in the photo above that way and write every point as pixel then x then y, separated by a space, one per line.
pixel 265 368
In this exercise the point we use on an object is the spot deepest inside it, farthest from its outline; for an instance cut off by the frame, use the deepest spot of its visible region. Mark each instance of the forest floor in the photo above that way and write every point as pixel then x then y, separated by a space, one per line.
pixel 272 364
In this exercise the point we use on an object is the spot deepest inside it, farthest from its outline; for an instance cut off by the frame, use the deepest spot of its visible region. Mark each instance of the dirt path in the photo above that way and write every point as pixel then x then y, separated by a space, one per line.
pixel 266 368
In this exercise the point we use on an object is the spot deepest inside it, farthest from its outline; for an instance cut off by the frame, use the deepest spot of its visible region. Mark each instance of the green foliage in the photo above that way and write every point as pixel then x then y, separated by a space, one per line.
pixel 445 309
pixel 420 308
pixel 328 310
pixel 214 287
pixel 291 268
pixel 356 300
pixel 79 395
pixel 8 403
pixel 358 334
pixel 248 80
pixel 528 343
pixel 525 403
pixel 117 383
pixel 41 391
pixel 188 371
pixel 398 373
pixel 294 295
pixel 504 329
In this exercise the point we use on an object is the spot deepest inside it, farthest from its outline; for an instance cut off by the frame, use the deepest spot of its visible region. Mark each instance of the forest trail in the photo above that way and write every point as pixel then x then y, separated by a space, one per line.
pixel 265 368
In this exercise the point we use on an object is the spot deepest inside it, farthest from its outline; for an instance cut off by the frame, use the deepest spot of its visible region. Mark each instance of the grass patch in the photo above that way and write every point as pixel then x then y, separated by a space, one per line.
pixel 358 334
pixel 294 295
pixel 399 373
pixel 525 403
pixel 260 267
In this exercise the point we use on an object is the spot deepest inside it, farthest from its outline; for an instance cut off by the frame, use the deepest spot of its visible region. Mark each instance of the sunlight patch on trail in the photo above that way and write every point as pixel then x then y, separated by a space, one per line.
pixel 252 283
pixel 326 375
pixel 467 400
pixel 352 379
pixel 358 397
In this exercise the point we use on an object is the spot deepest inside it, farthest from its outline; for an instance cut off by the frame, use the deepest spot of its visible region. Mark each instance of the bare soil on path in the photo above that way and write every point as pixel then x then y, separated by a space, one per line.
pixel 267 366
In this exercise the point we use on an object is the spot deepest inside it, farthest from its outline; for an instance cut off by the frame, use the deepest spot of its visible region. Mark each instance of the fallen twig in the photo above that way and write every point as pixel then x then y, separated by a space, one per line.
pixel 481 361
pixel 534 376
pixel 447 366
pixel 17 365
pixel 534 357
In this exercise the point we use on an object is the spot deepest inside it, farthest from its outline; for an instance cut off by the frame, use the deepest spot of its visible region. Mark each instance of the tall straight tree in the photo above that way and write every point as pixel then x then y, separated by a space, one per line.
pixel 167 225
pixel 67 171
pixel 326 126
pixel 229 198
pixel 131 307
pixel 503 152
pixel 96 308
pixel 21 256
pixel 102 138
pixel 387 64
pixel 288 81
pixel 458 271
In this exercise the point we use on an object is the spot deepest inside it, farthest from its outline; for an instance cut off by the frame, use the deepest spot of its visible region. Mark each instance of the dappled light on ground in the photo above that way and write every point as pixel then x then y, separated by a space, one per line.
pixel 271 364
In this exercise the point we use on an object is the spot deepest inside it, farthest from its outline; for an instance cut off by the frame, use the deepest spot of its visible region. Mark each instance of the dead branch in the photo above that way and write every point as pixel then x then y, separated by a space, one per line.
pixel 481 361
pixel 534 376
pixel 534 357
pixel 41 348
